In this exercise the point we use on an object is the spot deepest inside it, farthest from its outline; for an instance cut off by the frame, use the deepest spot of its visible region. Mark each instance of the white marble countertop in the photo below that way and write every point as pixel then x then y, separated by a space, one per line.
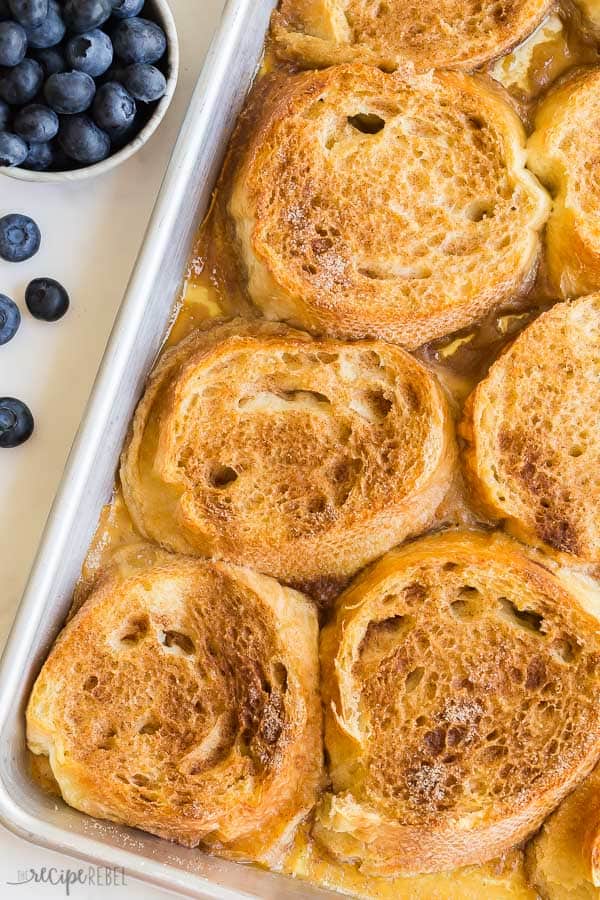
pixel 91 233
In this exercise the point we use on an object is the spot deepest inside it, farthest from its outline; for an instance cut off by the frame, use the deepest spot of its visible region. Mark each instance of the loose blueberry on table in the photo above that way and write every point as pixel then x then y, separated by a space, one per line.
pixel 10 319
pixel 16 422
pixel 46 299
pixel 19 238
pixel 78 79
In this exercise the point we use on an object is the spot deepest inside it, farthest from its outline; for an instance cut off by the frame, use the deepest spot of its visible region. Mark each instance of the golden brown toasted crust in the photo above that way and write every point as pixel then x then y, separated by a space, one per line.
pixel 532 451
pixel 451 34
pixel 460 684
pixel 563 859
pixel 182 698
pixel 562 153
pixel 371 205
pixel 304 459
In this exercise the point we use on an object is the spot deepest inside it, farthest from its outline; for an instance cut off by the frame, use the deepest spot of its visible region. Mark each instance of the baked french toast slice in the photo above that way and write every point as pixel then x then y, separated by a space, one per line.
pixel 563 860
pixel 452 34
pixel 532 443
pixel 304 459
pixel 460 682
pixel 561 151
pixel 183 699
pixel 369 204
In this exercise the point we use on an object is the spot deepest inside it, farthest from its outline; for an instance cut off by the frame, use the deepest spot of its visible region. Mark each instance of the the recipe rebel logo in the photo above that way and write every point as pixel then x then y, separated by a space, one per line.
pixel 71 879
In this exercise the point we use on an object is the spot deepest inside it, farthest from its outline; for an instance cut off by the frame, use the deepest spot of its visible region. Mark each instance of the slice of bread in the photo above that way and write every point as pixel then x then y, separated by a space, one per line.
pixel 460 681
pixel 500 879
pixel 182 699
pixel 451 34
pixel 372 205
pixel 563 860
pixel 561 153
pixel 532 453
pixel 303 459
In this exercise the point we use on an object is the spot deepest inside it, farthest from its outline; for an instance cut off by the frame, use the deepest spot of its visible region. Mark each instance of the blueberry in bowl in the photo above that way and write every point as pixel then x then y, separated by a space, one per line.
pixel 144 82
pixel 114 109
pixel 41 157
pixel 13 149
pixel 5 115
pixel 48 33
pixel 90 52
pixel 36 124
pixel 95 81
pixel 19 84
pixel 28 12
pixel 13 43
pixel 82 140
pixel 70 93
pixel 51 59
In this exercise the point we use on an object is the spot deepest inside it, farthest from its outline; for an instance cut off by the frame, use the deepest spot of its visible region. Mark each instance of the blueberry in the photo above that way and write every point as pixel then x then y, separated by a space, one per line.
pixel 116 72
pixel 84 15
pixel 10 319
pixel 50 32
pixel 4 115
pixel 69 92
pixel 145 82
pixel 13 43
pixel 16 422
pixel 83 141
pixel 40 157
pixel 46 299
pixel 13 149
pixel 20 84
pixel 91 52
pixel 19 238
pixel 114 108
pixel 29 12
pixel 36 123
pixel 126 9
pixel 51 60
pixel 139 41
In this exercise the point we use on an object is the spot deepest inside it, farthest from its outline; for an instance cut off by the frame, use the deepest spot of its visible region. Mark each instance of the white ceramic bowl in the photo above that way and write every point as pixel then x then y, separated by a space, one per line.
pixel 161 13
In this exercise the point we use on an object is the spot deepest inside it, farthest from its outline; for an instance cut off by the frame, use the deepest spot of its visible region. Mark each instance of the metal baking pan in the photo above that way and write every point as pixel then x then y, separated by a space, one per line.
pixel 88 481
